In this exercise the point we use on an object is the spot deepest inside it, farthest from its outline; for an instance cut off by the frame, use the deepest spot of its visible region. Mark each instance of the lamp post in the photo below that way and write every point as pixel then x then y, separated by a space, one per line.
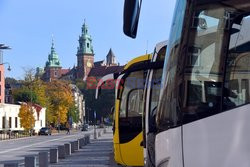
pixel 3 47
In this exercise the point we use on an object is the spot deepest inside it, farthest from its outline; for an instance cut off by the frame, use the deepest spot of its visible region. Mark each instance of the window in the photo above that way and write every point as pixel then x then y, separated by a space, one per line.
pixel 10 121
pixel 194 56
pixel 55 73
pixel 16 122
pixel 154 98
pixel 87 45
pixel 193 73
pixel 133 82
pixel 134 103
pixel 236 91
pixel 3 122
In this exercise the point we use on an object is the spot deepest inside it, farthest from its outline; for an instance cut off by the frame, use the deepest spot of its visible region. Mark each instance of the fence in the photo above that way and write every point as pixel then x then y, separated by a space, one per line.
pixel 7 135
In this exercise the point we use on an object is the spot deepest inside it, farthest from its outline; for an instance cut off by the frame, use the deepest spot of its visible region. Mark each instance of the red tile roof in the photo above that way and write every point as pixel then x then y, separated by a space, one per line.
pixel 104 70
pixel 64 71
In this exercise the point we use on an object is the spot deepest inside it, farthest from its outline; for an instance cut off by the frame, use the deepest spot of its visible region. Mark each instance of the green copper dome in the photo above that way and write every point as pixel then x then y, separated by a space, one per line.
pixel 85 41
pixel 53 59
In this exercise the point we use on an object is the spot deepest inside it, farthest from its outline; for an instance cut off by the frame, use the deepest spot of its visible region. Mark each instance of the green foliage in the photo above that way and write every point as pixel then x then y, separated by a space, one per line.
pixel 9 80
pixel 74 114
pixel 25 95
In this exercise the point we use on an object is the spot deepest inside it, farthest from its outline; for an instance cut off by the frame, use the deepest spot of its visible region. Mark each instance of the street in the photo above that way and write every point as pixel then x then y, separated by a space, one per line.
pixel 15 150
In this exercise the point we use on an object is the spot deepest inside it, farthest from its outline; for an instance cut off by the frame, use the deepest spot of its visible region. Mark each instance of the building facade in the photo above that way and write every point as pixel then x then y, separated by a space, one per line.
pixel 9 119
pixel 79 102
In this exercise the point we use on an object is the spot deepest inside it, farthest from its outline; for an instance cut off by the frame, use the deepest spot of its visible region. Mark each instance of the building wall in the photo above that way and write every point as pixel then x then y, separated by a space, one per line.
pixel 12 121
pixel 52 73
pixel 2 84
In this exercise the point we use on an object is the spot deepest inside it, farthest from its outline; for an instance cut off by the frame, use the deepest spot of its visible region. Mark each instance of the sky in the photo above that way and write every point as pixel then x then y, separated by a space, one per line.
pixel 27 27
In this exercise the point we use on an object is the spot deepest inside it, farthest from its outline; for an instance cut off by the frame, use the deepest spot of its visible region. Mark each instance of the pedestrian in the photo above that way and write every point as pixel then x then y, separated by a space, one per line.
pixel 68 128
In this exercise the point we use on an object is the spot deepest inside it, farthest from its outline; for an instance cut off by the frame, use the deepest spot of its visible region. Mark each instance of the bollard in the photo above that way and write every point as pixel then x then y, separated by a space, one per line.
pixel 53 155
pixel 11 164
pixel 43 159
pixel 61 152
pixel 72 147
pixel 30 161
pixel 87 139
pixel 99 134
pixel 95 136
pixel 105 130
pixel 76 145
pixel 82 142
pixel 67 148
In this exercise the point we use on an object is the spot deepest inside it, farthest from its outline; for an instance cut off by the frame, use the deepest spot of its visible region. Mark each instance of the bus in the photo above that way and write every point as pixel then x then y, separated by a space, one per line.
pixel 150 100
pixel 202 117
pixel 127 127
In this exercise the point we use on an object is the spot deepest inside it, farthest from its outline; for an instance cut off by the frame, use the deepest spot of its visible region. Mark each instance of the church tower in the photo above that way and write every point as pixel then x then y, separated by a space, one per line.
pixel 110 58
pixel 53 65
pixel 85 53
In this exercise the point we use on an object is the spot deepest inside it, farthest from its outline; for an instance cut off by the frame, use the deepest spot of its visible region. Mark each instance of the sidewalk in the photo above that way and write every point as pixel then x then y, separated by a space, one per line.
pixel 99 153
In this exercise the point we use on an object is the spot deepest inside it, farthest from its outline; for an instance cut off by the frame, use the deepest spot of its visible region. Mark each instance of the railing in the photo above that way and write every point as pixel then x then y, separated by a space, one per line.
pixel 7 135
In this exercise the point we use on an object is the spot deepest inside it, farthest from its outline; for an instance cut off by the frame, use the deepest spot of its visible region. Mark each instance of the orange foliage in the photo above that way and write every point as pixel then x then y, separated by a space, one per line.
pixel 26 116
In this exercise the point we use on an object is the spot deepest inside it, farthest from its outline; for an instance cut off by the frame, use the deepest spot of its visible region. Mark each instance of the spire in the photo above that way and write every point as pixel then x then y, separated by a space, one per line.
pixel 85 41
pixel 110 58
pixel 53 59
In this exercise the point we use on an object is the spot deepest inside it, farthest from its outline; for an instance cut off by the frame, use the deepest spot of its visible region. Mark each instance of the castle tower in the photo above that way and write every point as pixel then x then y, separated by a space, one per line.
pixel 85 53
pixel 53 65
pixel 110 58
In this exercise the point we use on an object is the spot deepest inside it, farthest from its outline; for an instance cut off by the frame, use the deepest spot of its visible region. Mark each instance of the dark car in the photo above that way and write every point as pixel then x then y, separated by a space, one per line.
pixel 85 127
pixel 44 131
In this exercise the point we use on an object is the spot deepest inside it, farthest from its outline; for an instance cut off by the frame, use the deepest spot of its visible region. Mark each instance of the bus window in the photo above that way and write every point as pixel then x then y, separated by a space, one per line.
pixel 237 67
pixel 130 118
pixel 133 81
pixel 135 103
pixel 154 98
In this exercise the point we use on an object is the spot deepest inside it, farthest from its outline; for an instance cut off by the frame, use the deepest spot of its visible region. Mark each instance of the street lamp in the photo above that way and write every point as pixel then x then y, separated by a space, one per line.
pixel 4 47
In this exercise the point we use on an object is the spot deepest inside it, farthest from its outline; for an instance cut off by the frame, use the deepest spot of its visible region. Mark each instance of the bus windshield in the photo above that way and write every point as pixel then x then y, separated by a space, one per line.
pixel 202 77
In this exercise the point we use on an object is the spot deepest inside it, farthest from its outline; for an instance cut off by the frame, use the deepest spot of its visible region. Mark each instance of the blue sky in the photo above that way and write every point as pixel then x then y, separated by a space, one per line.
pixel 27 27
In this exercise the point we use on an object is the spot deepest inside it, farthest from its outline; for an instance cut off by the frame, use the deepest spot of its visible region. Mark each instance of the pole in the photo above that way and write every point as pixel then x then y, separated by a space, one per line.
pixel 30 111
pixel 95 136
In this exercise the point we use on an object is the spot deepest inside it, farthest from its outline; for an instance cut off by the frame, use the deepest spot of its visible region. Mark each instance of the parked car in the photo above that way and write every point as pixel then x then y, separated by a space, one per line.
pixel 62 127
pixel 85 127
pixel 44 131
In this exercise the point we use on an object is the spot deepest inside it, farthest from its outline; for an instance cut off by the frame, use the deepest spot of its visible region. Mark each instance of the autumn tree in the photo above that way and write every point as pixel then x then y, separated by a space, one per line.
pixel 61 100
pixel 26 115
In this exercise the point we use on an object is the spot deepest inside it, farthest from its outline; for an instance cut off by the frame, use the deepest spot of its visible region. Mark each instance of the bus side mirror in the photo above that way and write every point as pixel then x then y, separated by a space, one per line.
pixel 131 15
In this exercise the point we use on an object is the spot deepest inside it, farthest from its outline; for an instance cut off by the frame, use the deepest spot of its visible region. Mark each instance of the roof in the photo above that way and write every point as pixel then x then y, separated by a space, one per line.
pixel 138 59
pixel 64 71
pixel 104 70
pixel 98 63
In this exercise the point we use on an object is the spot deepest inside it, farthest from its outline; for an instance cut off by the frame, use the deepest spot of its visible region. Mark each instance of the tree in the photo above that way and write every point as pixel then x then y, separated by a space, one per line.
pixel 26 115
pixel 61 100
pixel 74 114
pixel 24 94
